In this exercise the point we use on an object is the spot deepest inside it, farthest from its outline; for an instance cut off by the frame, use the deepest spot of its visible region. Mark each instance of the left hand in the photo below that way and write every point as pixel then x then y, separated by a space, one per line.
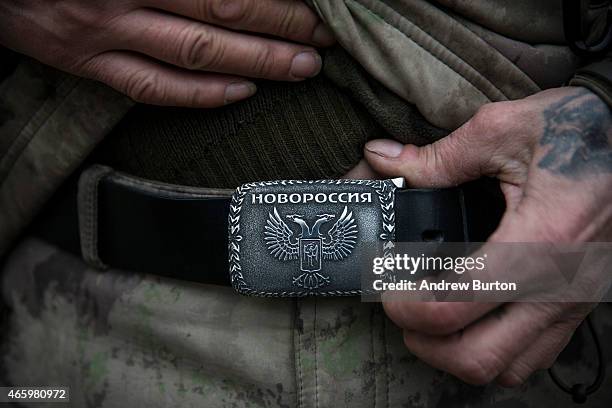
pixel 552 153
pixel 190 53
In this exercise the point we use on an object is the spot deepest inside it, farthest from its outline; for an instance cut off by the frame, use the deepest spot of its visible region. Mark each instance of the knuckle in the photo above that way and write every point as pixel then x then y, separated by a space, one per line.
pixel 144 87
pixel 492 118
pixel 438 159
pixel 227 11
pixel 551 313
pixel 478 369
pixel 489 129
pixel 200 50
pixel 73 15
pixel 77 17
pixel 430 155
pixel 263 62
pixel 94 69
pixel 441 319
pixel 490 109
pixel 76 22
pixel 77 31
pixel 547 312
pixel 290 24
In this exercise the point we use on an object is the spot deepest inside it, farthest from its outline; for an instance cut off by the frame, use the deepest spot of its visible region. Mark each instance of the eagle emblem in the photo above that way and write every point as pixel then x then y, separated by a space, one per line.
pixel 311 246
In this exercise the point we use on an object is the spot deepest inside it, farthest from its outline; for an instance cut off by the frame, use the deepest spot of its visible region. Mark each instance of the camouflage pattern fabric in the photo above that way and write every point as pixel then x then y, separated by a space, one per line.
pixel 49 122
pixel 450 57
pixel 120 339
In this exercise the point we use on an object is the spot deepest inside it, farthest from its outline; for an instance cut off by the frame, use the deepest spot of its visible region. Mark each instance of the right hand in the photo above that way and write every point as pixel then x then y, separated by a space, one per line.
pixel 191 53
pixel 552 154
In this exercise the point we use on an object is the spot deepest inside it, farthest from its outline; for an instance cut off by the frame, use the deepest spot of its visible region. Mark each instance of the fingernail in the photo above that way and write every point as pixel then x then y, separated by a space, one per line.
pixel 306 64
pixel 322 35
pixel 385 148
pixel 238 91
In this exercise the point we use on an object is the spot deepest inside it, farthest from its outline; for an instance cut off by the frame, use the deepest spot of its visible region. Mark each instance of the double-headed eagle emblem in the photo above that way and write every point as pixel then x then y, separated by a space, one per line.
pixel 311 246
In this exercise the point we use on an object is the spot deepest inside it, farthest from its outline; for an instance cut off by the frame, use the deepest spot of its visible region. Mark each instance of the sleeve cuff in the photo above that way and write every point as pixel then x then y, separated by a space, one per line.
pixel 597 77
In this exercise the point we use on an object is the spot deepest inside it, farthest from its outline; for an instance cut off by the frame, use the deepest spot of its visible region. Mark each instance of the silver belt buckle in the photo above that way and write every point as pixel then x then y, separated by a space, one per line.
pixel 292 238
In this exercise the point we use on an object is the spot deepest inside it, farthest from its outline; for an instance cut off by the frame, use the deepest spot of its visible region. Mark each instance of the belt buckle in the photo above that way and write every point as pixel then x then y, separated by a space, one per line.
pixel 296 238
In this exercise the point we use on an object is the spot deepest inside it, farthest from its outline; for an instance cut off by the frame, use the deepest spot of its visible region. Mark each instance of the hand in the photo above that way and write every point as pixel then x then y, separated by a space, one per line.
pixel 169 52
pixel 552 153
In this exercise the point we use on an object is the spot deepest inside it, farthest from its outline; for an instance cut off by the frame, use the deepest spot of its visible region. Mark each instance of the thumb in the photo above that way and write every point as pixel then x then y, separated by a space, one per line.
pixel 447 162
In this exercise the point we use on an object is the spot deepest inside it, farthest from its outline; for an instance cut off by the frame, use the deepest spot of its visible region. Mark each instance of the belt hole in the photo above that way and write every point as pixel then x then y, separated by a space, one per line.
pixel 432 236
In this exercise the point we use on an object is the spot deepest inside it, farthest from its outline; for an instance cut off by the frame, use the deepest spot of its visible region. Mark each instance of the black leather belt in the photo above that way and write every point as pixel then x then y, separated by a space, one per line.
pixel 281 238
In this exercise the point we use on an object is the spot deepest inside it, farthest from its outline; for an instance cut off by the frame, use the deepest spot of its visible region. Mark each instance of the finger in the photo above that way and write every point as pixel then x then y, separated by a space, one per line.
pixel 149 82
pixel 477 148
pixel 436 318
pixel 288 19
pixel 485 349
pixel 446 163
pixel 540 355
pixel 196 46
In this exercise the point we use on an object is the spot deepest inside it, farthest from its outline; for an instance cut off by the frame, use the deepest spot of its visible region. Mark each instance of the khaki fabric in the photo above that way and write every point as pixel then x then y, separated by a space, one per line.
pixel 549 65
pixel 597 77
pixel 121 339
pixel 55 121
pixel 531 21
pixel 306 130
pixel 446 64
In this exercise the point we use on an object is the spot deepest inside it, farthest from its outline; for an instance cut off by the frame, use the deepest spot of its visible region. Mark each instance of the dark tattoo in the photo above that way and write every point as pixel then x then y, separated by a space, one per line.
pixel 578 130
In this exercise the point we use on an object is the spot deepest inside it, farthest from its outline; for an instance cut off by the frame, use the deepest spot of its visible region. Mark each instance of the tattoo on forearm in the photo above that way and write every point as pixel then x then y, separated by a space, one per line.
pixel 578 130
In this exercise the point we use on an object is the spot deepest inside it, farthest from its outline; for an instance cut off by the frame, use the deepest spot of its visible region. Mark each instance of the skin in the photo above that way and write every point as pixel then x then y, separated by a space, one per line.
pixel 192 53
pixel 552 153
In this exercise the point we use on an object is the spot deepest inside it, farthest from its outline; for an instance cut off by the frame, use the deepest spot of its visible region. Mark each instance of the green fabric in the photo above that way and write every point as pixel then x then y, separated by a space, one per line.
pixel 597 77
pixel 310 130
pixel 49 123
pixel 426 56
pixel 399 118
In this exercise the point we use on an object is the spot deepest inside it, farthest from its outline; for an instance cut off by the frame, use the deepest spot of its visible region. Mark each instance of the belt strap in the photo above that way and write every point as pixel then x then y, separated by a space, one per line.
pixel 182 232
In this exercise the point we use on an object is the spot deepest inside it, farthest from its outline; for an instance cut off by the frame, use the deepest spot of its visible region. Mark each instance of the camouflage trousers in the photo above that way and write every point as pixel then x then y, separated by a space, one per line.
pixel 121 339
